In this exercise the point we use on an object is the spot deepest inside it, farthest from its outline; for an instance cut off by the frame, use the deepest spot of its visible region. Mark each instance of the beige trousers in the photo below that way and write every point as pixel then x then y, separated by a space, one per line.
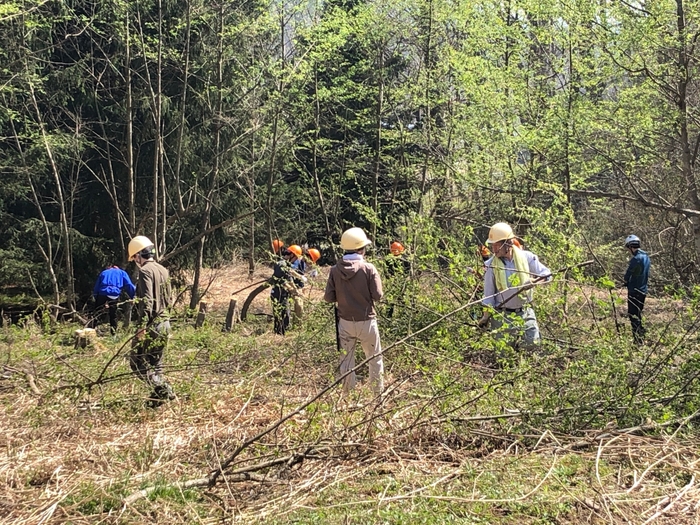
pixel 367 334
pixel 298 310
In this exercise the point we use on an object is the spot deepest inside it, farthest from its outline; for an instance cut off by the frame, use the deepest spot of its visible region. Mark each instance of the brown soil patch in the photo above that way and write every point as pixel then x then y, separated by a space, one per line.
pixel 221 283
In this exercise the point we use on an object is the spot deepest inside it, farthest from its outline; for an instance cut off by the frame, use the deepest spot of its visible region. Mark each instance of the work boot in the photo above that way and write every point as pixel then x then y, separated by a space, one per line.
pixel 154 401
pixel 164 392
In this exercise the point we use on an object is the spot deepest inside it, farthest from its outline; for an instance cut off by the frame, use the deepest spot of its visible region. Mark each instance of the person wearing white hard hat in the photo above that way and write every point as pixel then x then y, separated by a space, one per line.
pixel 153 302
pixel 355 286
pixel 509 311
pixel 636 279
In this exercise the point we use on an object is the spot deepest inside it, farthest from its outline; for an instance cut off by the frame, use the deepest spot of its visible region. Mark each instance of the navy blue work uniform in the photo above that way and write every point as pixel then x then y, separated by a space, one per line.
pixel 636 279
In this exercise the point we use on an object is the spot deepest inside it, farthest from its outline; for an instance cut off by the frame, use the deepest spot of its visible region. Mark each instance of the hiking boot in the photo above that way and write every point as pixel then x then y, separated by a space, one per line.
pixel 164 392
pixel 153 402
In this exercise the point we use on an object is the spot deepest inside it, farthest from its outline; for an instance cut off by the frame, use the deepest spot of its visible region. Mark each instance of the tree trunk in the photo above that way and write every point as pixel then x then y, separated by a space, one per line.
pixel 217 122
pixel 65 229
pixel 682 104
pixel 130 134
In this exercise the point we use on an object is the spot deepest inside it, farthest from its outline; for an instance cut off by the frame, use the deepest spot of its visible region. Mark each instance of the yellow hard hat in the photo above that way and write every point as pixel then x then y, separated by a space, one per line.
pixel 500 232
pixel 137 244
pixel 295 249
pixel 354 239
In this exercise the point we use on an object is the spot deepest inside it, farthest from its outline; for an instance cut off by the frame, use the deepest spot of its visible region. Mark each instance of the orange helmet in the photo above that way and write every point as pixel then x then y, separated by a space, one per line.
pixel 517 244
pixel 484 251
pixel 277 245
pixel 314 254
pixel 295 249
pixel 396 248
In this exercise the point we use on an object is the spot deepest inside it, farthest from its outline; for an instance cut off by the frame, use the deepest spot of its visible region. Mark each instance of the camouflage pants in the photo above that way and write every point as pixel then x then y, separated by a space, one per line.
pixel 146 360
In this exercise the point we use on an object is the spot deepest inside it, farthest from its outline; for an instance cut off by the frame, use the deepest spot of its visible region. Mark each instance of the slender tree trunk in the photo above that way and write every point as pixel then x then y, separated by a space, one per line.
pixel 314 152
pixel 378 140
pixel 156 116
pixel 684 136
pixel 428 111
pixel 271 179
pixel 48 253
pixel 130 133
pixel 183 107
pixel 157 160
pixel 217 122
pixel 65 229
pixel 251 241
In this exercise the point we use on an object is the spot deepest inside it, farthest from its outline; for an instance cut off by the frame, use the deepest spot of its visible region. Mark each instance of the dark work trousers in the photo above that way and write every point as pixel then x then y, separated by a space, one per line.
pixel 146 361
pixel 280 309
pixel 635 305
pixel 111 306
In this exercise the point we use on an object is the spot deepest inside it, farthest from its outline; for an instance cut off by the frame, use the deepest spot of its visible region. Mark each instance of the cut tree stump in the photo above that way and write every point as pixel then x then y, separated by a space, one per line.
pixel 201 315
pixel 231 316
pixel 84 337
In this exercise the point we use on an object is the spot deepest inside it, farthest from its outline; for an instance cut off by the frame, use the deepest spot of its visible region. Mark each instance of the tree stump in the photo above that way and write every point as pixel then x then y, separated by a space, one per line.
pixel 231 316
pixel 84 337
pixel 201 315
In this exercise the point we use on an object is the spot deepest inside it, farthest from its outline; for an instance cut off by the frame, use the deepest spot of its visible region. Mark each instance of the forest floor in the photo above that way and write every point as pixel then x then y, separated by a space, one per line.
pixel 590 429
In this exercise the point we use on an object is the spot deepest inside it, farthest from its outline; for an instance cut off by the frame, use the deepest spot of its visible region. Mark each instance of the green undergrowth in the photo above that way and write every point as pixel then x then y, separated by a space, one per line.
pixel 470 431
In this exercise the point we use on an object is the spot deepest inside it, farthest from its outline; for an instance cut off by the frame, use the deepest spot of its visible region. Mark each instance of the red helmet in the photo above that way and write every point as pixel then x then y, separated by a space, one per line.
pixel 295 249
pixel 277 245
pixel 314 254
pixel 396 248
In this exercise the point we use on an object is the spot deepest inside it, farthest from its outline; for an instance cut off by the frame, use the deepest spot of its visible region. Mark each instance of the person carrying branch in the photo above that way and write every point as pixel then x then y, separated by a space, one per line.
pixel 509 311
pixel 154 300
pixel 283 287
pixel 636 279
pixel 355 286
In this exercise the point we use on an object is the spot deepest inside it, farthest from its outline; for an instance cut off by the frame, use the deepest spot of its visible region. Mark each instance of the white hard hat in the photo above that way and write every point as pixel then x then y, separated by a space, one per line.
pixel 354 239
pixel 137 244
pixel 632 241
pixel 500 232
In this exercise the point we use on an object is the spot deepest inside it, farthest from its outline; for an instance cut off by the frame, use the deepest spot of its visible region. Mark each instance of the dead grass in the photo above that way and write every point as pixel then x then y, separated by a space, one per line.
pixel 421 456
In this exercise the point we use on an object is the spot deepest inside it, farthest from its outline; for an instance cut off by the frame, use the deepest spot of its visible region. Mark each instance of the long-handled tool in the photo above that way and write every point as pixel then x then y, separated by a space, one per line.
pixel 337 329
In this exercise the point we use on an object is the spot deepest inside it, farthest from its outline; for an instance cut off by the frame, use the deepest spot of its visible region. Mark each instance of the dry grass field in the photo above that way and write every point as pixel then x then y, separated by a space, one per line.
pixel 260 433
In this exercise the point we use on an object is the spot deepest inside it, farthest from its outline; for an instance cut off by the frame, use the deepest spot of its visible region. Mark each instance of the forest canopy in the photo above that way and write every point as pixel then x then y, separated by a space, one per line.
pixel 214 127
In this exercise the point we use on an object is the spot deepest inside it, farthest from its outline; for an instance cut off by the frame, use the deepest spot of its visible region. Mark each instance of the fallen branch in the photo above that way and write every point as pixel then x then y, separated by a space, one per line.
pixel 249 286
pixel 32 383
pixel 238 475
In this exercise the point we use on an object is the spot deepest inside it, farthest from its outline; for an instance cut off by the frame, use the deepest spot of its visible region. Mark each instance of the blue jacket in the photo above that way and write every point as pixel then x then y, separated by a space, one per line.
pixel 112 281
pixel 299 266
pixel 637 273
